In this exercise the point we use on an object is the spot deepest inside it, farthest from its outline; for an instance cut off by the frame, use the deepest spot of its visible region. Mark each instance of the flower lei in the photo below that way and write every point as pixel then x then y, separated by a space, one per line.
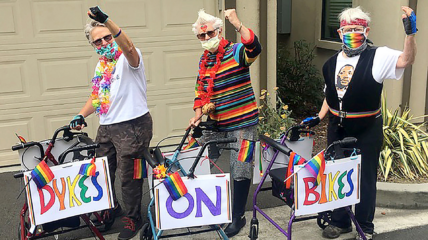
pixel 205 96
pixel 102 80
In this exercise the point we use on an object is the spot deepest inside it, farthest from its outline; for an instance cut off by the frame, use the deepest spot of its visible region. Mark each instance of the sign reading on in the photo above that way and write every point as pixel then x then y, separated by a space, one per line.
pixel 340 187
pixel 69 193
pixel 207 202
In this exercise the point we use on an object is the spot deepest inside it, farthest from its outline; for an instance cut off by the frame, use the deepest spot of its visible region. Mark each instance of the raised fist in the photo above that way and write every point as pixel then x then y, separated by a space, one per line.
pixel 97 14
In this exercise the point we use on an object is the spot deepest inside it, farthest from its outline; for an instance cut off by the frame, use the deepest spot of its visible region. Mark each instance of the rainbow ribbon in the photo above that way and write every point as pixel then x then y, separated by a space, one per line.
pixel 246 152
pixel 42 174
pixel 175 186
pixel 295 159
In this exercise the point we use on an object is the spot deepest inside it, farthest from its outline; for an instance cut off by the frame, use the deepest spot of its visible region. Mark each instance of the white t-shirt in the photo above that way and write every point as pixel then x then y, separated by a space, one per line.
pixel 128 99
pixel 384 67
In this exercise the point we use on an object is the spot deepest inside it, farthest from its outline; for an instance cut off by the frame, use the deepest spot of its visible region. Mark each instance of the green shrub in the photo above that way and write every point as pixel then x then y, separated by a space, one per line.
pixel 299 81
pixel 405 148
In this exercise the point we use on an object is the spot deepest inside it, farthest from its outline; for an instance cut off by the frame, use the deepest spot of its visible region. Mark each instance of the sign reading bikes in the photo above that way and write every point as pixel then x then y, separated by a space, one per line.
pixel 69 193
pixel 207 202
pixel 339 187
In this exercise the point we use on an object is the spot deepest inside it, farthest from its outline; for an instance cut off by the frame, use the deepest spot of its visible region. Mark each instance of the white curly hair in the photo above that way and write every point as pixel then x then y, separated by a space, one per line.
pixel 204 18
pixel 351 14
pixel 90 26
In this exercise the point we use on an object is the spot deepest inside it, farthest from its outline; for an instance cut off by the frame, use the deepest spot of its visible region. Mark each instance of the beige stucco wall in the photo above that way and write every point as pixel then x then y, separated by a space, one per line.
pixel 386 30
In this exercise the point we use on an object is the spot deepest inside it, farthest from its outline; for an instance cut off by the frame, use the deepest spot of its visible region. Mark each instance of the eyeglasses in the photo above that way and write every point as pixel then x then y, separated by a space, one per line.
pixel 99 41
pixel 210 34
pixel 355 29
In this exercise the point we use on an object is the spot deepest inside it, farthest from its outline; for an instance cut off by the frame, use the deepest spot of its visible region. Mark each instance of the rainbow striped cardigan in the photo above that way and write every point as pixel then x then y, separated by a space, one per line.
pixel 233 94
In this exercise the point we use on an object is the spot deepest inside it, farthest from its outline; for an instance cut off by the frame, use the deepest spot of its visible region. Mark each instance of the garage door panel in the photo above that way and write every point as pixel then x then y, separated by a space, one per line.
pixel 132 14
pixel 178 113
pixel 7 15
pixel 12 80
pixel 58 16
pixel 181 67
pixel 60 75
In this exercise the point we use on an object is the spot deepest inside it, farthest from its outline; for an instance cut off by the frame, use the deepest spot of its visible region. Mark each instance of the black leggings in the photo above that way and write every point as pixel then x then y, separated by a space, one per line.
pixel 369 142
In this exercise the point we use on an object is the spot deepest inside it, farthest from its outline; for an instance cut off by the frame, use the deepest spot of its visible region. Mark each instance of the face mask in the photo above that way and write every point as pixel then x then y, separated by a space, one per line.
pixel 211 44
pixel 354 39
pixel 109 51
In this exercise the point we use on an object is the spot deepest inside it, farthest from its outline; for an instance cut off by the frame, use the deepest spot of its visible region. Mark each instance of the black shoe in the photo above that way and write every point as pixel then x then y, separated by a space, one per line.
pixel 117 212
pixel 130 229
pixel 235 226
pixel 334 232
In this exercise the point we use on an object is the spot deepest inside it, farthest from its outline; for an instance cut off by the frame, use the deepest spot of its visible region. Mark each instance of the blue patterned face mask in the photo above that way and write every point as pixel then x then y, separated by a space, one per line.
pixel 108 51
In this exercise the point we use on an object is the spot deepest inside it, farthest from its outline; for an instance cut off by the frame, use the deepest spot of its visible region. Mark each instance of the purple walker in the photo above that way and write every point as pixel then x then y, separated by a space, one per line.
pixel 335 150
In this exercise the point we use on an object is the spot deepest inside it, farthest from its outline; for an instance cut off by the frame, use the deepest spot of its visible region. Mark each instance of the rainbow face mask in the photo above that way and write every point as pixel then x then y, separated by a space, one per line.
pixel 354 40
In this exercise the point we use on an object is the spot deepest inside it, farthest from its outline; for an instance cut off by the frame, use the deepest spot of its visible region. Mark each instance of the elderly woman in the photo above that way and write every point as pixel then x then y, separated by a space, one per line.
pixel 224 79
pixel 354 80
pixel 119 99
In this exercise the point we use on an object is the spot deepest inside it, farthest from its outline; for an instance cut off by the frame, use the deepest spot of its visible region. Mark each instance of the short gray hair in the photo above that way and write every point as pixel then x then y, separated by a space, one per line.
pixel 203 18
pixel 90 26
pixel 351 14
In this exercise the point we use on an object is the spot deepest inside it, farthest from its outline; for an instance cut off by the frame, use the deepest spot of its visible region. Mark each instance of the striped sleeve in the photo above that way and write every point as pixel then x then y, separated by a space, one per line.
pixel 197 103
pixel 246 53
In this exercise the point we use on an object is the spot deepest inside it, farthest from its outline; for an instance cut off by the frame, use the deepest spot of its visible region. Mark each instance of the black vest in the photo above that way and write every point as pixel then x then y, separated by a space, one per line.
pixel 363 93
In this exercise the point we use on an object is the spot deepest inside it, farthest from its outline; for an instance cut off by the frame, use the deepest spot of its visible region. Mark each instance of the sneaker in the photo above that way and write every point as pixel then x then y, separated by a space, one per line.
pixel 118 212
pixel 367 235
pixel 130 229
pixel 334 232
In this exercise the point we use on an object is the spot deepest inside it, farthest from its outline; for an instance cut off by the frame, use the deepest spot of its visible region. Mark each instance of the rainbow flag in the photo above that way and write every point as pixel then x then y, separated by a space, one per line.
pixel 295 159
pixel 42 174
pixel 175 186
pixel 140 168
pixel 88 169
pixel 316 166
pixel 246 152
pixel 192 144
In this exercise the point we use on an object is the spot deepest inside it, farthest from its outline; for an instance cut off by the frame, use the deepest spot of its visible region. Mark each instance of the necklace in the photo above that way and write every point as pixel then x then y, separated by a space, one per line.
pixel 205 95
pixel 102 82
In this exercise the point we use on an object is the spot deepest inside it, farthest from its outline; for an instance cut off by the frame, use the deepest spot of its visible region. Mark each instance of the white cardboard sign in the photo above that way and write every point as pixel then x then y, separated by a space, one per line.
pixel 69 193
pixel 206 203
pixel 340 187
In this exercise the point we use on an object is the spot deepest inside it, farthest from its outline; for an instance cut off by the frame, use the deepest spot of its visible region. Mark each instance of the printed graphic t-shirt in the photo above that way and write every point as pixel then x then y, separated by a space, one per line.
pixel 384 67
pixel 128 99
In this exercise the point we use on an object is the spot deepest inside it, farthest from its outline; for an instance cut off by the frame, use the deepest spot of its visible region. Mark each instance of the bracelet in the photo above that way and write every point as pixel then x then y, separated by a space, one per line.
pixel 118 34
pixel 239 29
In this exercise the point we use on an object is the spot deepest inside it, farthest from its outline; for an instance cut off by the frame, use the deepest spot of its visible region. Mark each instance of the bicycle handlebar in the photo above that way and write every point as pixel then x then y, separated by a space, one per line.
pixel 30 144
pixel 346 142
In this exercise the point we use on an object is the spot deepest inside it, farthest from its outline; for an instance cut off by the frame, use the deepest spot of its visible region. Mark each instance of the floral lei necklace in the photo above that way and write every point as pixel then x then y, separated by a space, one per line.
pixel 102 80
pixel 205 96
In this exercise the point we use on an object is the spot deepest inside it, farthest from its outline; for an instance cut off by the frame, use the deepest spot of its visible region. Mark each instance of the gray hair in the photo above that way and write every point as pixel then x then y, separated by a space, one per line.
pixel 90 26
pixel 203 18
pixel 351 14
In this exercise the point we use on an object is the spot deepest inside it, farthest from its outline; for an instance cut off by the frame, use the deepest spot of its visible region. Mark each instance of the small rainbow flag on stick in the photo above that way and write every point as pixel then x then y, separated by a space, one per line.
pixel 246 152
pixel 316 166
pixel 295 159
pixel 139 168
pixel 175 186
pixel 42 174
pixel 88 169
pixel 192 144
pixel 21 139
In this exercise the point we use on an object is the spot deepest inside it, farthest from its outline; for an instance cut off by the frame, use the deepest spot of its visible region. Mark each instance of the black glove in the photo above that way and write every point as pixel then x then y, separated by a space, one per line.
pixel 410 24
pixel 98 14
pixel 311 121
pixel 78 120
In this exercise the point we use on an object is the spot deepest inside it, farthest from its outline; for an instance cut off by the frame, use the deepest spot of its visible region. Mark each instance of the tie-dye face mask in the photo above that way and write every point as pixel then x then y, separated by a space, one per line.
pixel 354 39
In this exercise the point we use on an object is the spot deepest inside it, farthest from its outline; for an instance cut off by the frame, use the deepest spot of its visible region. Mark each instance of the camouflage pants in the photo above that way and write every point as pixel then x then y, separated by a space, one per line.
pixel 122 143
pixel 239 170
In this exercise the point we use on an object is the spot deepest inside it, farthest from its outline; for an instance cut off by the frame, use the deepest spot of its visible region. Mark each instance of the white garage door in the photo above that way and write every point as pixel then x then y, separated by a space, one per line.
pixel 46 63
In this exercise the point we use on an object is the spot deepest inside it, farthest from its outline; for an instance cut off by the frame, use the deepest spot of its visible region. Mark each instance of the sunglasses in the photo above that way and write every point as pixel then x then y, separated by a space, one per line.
pixel 99 41
pixel 210 34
